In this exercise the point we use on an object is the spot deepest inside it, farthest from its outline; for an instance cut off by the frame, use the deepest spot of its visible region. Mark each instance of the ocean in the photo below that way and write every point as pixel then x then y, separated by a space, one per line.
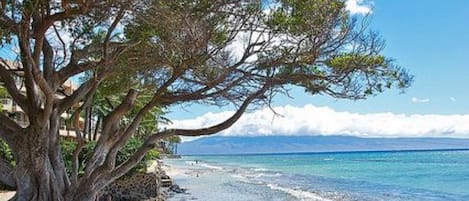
pixel 347 176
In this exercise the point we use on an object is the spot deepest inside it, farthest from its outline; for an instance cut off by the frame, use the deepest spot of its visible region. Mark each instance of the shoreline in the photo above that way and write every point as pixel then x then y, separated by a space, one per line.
pixel 212 183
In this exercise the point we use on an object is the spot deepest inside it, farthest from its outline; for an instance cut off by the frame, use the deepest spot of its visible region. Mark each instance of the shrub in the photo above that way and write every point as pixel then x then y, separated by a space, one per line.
pixel 5 153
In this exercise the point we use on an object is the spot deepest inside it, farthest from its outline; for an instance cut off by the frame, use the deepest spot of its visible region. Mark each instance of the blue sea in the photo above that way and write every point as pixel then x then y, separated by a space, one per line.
pixel 357 176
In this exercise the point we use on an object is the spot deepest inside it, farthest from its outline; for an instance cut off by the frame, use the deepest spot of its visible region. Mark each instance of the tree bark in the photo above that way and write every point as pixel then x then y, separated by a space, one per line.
pixel 36 176
pixel 7 174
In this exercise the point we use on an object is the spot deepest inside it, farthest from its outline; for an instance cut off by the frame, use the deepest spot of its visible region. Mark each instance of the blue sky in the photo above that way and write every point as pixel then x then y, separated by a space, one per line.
pixel 430 38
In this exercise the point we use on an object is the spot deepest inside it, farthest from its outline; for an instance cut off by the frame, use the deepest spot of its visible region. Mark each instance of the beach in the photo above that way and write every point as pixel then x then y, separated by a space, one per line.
pixel 207 182
pixel 211 183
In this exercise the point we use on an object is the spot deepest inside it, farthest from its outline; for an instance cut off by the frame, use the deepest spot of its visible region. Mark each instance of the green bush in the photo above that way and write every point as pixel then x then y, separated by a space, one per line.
pixel 7 155
pixel 5 152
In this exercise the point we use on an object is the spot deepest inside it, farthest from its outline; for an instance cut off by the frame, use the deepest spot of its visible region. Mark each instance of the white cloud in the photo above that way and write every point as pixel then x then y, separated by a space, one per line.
pixel 312 120
pixel 420 100
pixel 452 99
pixel 358 7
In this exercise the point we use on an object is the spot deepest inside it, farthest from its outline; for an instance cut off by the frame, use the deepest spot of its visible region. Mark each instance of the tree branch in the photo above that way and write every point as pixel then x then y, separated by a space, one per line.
pixel 74 68
pixel 27 61
pixel 108 136
pixel 48 65
pixel 151 140
pixel 78 95
pixel 8 24
pixel 111 29
pixel 10 84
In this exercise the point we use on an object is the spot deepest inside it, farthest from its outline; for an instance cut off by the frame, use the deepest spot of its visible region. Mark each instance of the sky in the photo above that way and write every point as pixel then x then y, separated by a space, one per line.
pixel 429 38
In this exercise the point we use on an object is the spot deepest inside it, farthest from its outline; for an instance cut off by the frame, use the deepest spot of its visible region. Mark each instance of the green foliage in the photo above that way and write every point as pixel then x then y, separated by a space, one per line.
pixel 174 139
pixel 350 61
pixel 152 155
pixel 68 146
pixel 3 92
pixel 302 16
pixel 5 152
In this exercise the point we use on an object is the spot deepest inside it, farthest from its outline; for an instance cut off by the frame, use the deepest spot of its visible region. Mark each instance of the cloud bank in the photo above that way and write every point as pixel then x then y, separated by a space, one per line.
pixel 358 7
pixel 311 120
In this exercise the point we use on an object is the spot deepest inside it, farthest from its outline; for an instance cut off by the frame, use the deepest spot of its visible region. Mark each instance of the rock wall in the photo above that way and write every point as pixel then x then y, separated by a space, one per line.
pixel 138 187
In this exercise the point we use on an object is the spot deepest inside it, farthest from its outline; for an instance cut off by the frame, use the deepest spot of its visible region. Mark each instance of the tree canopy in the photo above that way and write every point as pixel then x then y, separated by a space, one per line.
pixel 152 54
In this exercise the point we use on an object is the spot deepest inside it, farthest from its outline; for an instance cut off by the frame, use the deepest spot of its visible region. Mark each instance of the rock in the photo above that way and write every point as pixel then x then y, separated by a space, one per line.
pixel 136 187
pixel 175 188
pixel 164 176
pixel 166 183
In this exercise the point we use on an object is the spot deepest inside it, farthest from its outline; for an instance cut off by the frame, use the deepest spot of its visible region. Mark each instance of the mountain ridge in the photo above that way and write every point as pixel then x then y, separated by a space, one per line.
pixel 306 144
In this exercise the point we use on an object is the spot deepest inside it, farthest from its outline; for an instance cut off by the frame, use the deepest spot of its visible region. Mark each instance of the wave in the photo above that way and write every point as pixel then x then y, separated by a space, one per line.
pixel 267 175
pixel 299 194
pixel 210 166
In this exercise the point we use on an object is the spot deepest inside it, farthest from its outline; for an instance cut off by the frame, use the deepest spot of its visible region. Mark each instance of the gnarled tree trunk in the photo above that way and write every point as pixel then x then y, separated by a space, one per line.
pixel 39 171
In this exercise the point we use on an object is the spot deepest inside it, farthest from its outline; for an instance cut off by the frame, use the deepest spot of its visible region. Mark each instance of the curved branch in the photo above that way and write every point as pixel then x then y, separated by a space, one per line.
pixel 111 29
pixel 10 84
pixel 73 68
pixel 150 141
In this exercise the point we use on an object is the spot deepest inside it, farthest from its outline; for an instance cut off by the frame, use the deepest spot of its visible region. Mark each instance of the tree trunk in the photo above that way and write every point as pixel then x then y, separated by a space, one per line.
pixel 40 174
pixel 36 177
pixel 6 174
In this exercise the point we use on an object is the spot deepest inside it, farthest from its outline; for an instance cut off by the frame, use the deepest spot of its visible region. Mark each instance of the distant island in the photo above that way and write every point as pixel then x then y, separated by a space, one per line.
pixel 293 144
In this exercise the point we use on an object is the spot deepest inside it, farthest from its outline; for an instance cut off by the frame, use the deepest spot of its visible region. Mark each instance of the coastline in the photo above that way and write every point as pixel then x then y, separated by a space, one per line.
pixel 365 176
pixel 202 181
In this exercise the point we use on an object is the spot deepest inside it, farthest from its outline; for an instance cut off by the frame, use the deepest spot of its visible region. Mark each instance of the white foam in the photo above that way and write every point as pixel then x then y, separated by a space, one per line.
pixel 298 193
pixel 210 166
pixel 267 175
pixel 241 178
pixel 189 162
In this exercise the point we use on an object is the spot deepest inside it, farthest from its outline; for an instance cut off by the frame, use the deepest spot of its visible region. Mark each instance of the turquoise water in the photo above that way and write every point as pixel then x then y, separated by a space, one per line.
pixel 415 175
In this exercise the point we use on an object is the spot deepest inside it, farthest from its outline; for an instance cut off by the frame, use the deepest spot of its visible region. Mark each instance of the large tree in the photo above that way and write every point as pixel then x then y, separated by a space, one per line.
pixel 223 52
